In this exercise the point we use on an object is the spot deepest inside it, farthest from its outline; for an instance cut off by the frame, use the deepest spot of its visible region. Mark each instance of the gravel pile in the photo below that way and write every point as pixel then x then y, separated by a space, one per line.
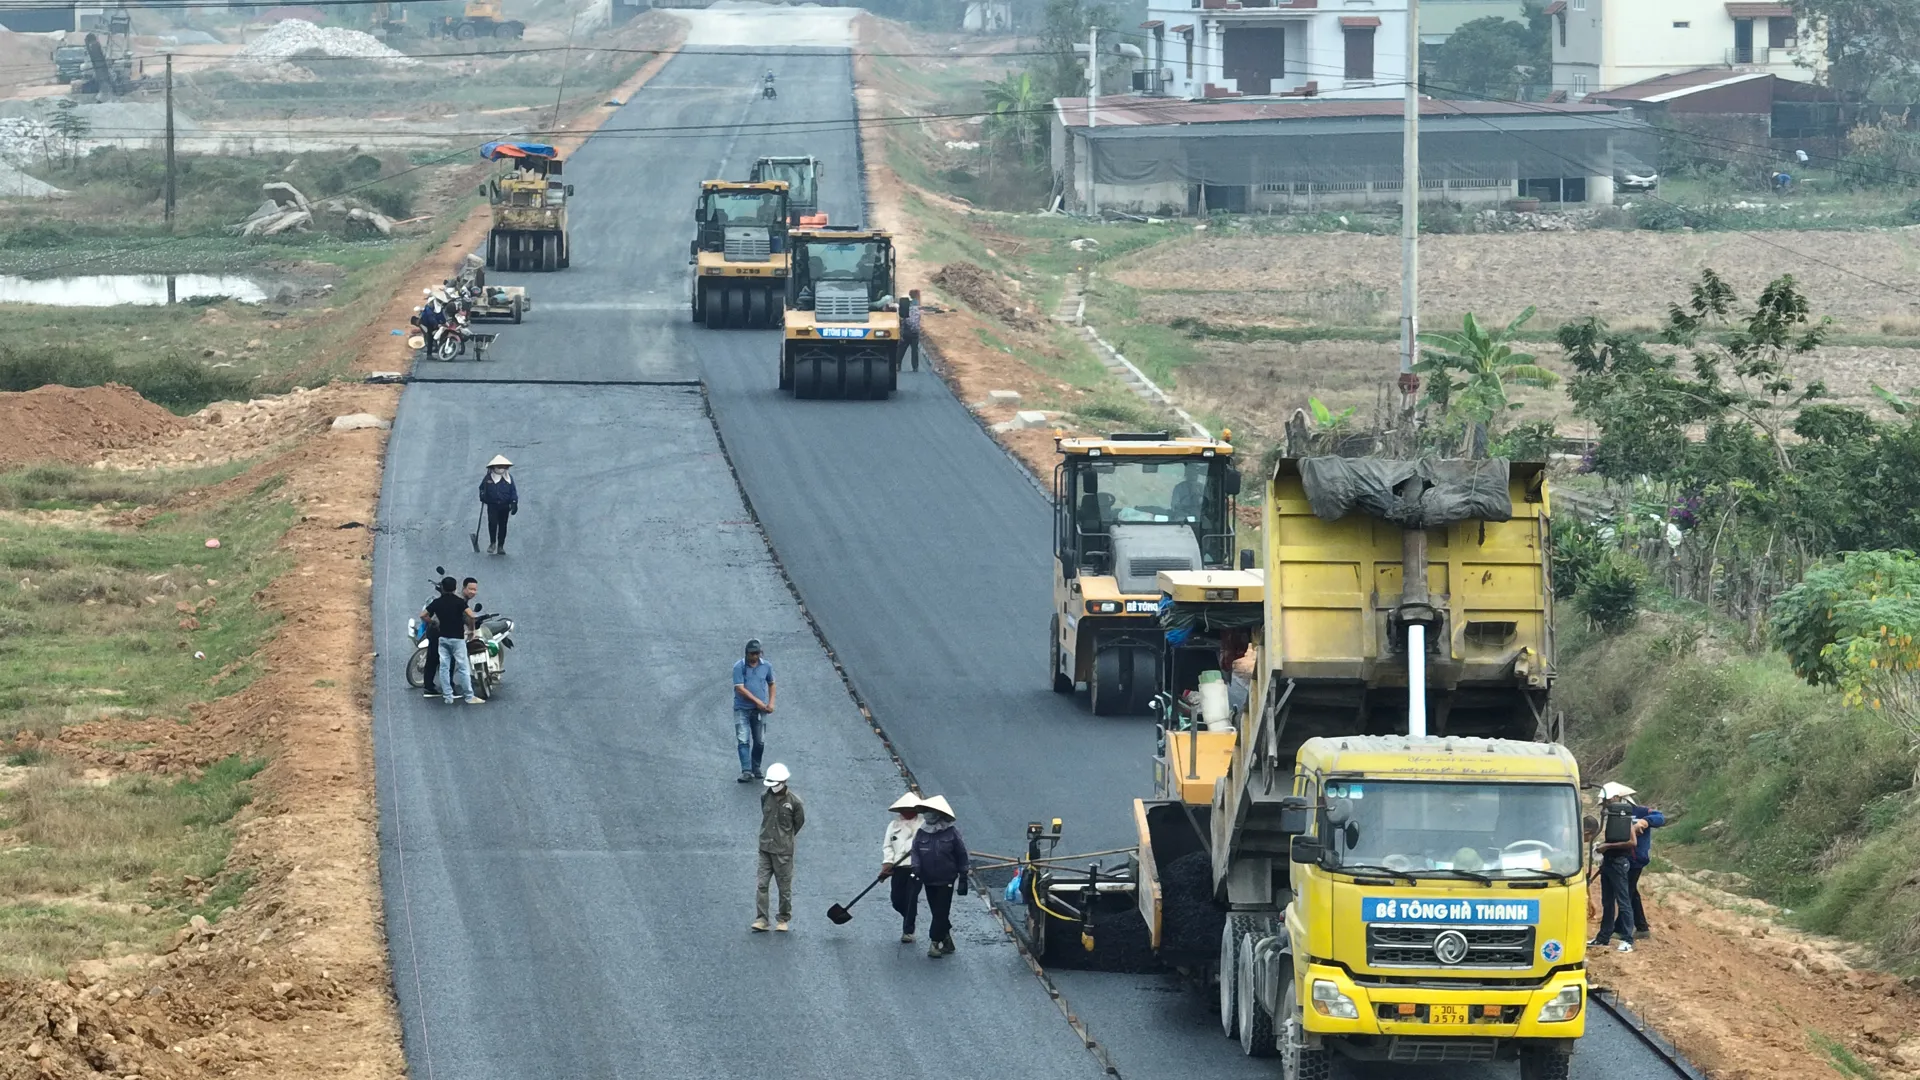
pixel 293 37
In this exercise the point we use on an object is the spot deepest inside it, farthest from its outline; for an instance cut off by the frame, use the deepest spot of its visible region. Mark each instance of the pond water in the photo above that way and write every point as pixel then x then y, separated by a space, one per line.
pixel 109 290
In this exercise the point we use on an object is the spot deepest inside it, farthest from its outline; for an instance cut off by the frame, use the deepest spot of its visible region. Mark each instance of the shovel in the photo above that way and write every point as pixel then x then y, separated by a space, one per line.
pixel 840 916
pixel 476 530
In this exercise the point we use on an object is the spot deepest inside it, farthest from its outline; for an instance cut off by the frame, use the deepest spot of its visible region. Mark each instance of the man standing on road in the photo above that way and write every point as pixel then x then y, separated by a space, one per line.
pixel 782 816
pixel 1616 868
pixel 1645 820
pixel 448 622
pixel 910 325
pixel 469 589
pixel 752 704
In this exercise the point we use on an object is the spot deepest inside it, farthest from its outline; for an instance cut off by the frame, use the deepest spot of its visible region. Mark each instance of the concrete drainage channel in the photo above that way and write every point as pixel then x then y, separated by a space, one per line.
pixel 1072 310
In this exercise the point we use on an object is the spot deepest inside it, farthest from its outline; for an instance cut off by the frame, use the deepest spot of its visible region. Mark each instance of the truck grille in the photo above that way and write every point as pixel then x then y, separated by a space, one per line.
pixel 747 245
pixel 1392 945
pixel 1451 1050
pixel 840 303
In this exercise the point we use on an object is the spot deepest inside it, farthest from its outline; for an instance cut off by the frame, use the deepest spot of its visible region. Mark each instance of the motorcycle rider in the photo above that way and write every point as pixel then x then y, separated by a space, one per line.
pixel 433 318
pixel 469 589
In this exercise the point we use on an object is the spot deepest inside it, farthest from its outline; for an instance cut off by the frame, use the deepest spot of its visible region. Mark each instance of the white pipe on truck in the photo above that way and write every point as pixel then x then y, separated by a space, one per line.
pixel 1416 679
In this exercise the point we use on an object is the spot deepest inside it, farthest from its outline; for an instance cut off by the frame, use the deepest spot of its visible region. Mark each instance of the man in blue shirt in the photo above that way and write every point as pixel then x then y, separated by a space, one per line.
pixel 752 704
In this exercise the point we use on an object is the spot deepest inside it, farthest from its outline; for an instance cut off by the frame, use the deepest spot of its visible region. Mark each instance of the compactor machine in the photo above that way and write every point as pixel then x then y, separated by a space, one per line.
pixel 529 209
pixel 842 335
pixel 739 254
pixel 802 175
pixel 1127 507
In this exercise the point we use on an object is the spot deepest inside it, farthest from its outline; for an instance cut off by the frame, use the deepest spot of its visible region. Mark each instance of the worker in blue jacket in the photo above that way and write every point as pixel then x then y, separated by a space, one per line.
pixel 1642 852
pixel 501 499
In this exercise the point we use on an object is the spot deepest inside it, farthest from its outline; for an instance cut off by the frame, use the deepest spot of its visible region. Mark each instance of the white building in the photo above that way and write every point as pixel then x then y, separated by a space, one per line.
pixel 1259 48
pixel 1601 45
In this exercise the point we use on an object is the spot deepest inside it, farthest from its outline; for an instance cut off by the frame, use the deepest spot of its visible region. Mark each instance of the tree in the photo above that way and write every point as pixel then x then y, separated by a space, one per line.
pixel 1492 57
pixel 1060 72
pixel 1871 46
pixel 69 125
pixel 1468 373
pixel 1017 118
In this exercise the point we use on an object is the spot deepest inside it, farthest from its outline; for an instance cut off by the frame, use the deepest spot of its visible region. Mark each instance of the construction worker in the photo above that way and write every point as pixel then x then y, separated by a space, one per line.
pixel 782 816
pixel 896 861
pixel 940 862
pixel 1616 869
pixel 502 500
pixel 753 692
pixel 910 325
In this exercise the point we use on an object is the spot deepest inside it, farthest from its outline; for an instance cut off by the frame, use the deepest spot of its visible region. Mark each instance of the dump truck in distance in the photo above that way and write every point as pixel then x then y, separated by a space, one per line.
pixel 1366 871
pixel 529 206
pixel 842 323
pixel 739 254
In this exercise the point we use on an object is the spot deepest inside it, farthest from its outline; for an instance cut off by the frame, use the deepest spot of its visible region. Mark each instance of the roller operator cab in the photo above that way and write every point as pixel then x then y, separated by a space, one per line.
pixel 739 254
pixel 802 175
pixel 1126 508
pixel 529 205
pixel 842 323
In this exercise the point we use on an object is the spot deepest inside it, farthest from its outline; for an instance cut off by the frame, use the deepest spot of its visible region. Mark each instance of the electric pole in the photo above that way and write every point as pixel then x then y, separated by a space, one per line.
pixel 170 187
pixel 1410 229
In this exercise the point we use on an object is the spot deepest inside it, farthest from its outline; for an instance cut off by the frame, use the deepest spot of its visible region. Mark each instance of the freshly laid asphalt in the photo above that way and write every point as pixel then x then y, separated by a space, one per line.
pixel 568 869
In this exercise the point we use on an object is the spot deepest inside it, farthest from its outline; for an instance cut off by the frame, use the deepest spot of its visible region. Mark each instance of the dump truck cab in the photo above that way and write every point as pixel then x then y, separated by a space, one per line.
pixel 802 175
pixel 1126 508
pixel 528 201
pixel 842 323
pixel 739 253
pixel 71 63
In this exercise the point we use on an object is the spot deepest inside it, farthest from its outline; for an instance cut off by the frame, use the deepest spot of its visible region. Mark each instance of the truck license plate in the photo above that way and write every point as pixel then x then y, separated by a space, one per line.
pixel 1446 1014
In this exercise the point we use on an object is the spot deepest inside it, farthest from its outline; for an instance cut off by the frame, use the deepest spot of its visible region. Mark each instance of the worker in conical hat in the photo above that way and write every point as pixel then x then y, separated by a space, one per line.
pixel 502 501
pixel 896 861
pixel 940 862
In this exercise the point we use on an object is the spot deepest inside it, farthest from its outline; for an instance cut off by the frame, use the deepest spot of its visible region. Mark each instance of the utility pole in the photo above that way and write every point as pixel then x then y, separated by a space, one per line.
pixel 1410 229
pixel 170 187
pixel 1093 101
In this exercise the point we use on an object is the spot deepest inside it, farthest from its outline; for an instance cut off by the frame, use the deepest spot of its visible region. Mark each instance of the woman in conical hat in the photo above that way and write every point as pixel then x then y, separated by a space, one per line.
pixel 502 501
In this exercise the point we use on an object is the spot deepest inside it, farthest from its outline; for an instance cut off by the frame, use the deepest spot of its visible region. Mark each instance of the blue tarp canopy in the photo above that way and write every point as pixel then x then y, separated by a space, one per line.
pixel 494 151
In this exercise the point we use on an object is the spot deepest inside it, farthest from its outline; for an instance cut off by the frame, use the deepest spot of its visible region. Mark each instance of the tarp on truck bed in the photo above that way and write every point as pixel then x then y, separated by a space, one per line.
pixel 1447 491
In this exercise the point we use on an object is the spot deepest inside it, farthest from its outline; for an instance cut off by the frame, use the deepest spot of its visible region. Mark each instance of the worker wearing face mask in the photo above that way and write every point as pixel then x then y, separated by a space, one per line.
pixel 502 501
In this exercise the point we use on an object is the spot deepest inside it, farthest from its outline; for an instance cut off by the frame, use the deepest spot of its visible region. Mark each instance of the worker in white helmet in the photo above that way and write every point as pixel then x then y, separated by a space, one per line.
pixel 782 816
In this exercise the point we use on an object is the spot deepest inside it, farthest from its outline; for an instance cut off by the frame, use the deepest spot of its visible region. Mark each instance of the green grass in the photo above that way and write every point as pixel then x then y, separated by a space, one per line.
pixel 1842 1059
pixel 1811 800
pixel 96 623
pixel 84 855
pixel 71 487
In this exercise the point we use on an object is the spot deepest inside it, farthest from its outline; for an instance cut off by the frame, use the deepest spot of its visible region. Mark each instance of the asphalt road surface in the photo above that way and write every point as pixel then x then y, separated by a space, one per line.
pixel 568 869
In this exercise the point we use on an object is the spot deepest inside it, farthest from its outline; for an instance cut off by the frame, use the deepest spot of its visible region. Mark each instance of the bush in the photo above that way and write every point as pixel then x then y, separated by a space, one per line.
pixel 1661 216
pixel 172 382
pixel 1532 441
pixel 1443 218
pixel 1609 593
pixel 1577 547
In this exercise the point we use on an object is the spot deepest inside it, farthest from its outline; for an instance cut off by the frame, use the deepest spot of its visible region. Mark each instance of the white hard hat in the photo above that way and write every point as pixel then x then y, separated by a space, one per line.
pixel 777 774
pixel 1615 790
pixel 909 801
pixel 499 460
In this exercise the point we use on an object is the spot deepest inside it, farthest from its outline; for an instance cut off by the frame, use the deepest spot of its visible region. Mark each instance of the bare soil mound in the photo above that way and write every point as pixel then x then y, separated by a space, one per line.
pixel 74 426
pixel 980 289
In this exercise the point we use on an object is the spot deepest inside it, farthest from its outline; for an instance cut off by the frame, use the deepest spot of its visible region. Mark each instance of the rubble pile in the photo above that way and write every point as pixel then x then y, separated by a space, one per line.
pixel 295 37
pixel 286 209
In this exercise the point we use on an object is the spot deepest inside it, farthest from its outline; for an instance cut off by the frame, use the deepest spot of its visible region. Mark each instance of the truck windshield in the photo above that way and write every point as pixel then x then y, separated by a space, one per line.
pixel 799 178
pixel 1455 828
pixel 743 208
pixel 852 261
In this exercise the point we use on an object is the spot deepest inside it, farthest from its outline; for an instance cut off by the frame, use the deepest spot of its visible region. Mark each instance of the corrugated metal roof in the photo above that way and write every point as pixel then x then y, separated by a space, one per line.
pixel 1680 84
pixel 1130 111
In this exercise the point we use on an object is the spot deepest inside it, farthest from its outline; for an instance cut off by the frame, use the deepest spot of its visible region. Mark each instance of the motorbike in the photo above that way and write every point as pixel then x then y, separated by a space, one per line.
pixel 486 648
pixel 766 88
pixel 451 341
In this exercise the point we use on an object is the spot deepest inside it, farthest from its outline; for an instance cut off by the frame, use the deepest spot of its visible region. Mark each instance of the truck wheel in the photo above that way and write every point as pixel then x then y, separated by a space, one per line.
pixel 1255 1022
pixel 786 371
pixel 1545 1063
pixel 465 32
pixel 566 251
pixel 1062 682
pixel 517 311
pixel 1236 927
pixel 757 308
pixel 1299 1062
pixel 507 31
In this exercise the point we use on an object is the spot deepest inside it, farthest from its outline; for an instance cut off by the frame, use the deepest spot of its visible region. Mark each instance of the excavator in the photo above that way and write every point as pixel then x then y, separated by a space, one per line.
pixel 842 323
pixel 529 209
pixel 739 254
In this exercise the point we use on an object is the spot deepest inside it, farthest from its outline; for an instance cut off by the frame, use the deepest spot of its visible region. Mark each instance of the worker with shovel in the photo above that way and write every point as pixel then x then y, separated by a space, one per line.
pixel 501 499
pixel 940 862
pixel 896 856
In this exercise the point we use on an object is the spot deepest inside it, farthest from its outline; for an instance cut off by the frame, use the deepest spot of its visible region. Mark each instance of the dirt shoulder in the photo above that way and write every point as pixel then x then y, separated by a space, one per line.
pixel 292 981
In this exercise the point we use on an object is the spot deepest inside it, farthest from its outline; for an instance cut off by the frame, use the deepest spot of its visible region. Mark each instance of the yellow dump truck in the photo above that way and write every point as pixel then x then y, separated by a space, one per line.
pixel 1359 870
pixel 1126 507
pixel 739 254
pixel 842 325
pixel 529 206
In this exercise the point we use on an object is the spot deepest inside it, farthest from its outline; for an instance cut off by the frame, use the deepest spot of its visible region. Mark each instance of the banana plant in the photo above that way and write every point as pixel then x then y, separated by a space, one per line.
pixel 1468 373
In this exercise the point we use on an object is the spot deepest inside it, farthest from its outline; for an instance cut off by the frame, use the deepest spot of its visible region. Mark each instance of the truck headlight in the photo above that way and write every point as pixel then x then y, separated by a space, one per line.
pixel 1329 1001
pixel 1103 607
pixel 1564 1006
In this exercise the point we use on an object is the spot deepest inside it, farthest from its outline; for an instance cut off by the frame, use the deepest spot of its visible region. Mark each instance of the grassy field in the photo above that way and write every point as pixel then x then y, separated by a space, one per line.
pixel 100 621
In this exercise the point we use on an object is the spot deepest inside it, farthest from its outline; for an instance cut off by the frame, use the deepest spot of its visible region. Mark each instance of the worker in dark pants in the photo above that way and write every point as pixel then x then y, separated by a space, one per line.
pixel 502 501
pixel 1616 875
pixel 1646 819
pixel 910 326
pixel 896 859
pixel 940 862
pixel 469 589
